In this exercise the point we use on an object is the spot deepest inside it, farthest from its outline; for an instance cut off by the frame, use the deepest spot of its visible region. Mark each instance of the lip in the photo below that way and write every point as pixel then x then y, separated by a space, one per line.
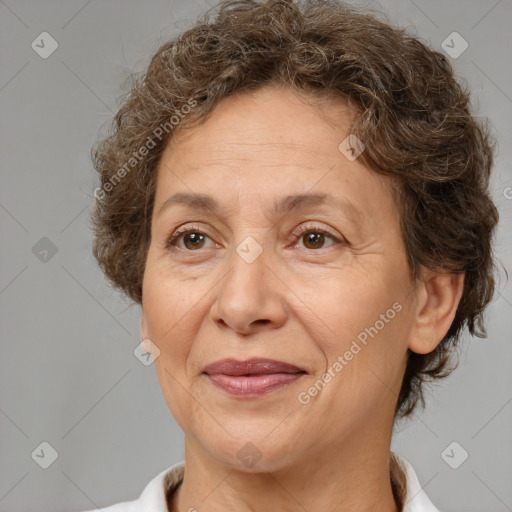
pixel 252 377
pixel 255 366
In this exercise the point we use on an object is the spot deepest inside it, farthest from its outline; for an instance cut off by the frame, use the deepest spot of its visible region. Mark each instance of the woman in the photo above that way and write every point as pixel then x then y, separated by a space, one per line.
pixel 296 195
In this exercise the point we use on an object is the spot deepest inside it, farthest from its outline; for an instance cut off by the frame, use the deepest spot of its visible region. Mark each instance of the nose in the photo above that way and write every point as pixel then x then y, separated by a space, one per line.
pixel 251 297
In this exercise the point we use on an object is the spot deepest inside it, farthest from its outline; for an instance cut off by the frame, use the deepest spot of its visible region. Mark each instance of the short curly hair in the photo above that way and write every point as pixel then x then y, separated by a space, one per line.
pixel 412 115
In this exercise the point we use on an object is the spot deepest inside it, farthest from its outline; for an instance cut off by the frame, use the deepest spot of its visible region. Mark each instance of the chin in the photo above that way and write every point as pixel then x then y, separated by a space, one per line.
pixel 255 453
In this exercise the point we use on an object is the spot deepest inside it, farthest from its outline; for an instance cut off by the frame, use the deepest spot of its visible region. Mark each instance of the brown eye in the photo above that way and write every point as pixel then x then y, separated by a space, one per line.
pixel 192 239
pixel 313 240
pixel 314 237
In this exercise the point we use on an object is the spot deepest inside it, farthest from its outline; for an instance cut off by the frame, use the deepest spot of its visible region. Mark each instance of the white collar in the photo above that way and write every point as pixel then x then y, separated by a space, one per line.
pixel 416 500
pixel 153 497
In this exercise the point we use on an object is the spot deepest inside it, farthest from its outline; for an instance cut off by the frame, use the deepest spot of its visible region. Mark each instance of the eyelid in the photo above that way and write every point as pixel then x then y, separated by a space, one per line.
pixel 310 226
pixel 297 232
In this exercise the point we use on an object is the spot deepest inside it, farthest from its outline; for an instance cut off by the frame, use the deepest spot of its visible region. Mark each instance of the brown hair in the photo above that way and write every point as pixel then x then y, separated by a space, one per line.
pixel 413 117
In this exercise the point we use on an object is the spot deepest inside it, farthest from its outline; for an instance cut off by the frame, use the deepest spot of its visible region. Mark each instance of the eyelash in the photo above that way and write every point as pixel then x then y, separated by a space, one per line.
pixel 170 244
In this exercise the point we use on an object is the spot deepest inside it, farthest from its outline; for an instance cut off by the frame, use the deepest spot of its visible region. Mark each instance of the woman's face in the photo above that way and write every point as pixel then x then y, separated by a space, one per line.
pixel 257 277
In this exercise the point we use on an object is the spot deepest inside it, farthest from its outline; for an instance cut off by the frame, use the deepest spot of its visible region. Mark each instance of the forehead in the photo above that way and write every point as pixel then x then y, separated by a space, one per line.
pixel 270 125
pixel 267 146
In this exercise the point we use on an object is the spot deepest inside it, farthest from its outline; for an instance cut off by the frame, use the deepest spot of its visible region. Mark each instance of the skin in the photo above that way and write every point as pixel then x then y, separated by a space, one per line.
pixel 301 301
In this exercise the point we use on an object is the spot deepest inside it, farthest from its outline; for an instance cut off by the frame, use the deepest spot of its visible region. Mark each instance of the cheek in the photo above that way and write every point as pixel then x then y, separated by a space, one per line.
pixel 169 303
pixel 350 304
pixel 168 313
pixel 366 324
pixel 173 316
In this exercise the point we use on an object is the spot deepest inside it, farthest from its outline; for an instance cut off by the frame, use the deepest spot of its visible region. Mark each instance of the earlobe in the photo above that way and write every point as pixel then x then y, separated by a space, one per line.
pixel 439 299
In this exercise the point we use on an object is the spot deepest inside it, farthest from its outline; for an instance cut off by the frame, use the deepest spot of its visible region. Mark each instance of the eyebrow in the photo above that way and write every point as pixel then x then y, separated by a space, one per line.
pixel 279 207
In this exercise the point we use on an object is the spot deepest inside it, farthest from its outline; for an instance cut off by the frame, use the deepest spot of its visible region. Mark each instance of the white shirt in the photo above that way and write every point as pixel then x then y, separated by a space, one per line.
pixel 153 497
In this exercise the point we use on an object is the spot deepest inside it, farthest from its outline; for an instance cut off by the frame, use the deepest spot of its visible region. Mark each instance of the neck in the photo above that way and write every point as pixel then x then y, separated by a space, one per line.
pixel 354 476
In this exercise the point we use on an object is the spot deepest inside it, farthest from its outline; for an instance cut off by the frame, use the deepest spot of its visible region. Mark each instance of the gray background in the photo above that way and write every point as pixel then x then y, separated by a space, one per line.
pixel 68 373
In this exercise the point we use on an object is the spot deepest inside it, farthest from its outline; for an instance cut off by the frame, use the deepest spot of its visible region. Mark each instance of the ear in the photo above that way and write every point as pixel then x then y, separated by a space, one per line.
pixel 143 327
pixel 438 297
